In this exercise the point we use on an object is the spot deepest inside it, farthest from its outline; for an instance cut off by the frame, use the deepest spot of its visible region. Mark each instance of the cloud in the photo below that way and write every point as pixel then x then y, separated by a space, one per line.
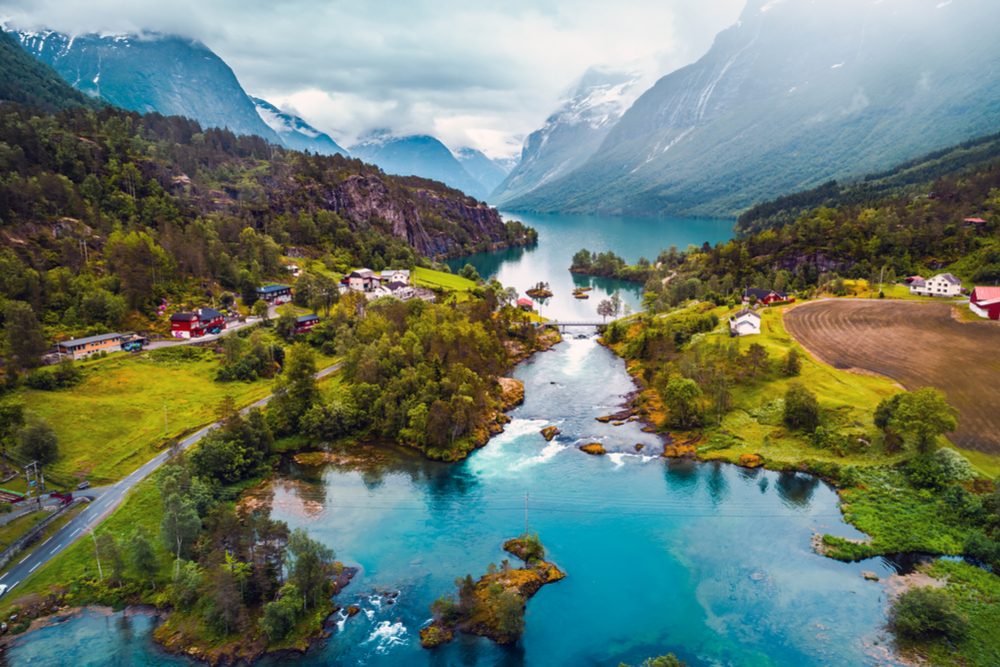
pixel 474 73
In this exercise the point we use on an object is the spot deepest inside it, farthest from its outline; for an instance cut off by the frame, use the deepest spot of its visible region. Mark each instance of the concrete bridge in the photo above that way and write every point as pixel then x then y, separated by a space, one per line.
pixel 562 324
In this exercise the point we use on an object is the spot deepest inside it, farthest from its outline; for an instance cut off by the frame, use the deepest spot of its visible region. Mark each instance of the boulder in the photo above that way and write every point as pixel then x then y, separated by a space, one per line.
pixel 550 432
pixel 751 460
pixel 511 392
pixel 434 635
pixel 869 575
pixel 593 448
pixel 353 610
pixel 677 451
pixel 639 446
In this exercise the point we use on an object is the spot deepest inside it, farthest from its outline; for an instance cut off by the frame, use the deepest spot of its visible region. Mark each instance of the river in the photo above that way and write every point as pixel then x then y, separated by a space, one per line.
pixel 710 561
pixel 560 236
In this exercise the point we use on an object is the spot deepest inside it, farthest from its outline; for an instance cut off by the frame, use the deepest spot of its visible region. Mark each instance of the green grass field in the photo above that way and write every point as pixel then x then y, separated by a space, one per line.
pixel 754 424
pixel 440 280
pixel 128 406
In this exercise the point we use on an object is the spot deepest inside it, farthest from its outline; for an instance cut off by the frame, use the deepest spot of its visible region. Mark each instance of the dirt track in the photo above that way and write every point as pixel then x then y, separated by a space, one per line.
pixel 917 344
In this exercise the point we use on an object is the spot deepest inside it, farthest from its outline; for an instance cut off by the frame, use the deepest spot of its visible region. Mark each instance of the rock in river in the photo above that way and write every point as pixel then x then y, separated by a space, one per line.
pixel 550 432
pixel 593 448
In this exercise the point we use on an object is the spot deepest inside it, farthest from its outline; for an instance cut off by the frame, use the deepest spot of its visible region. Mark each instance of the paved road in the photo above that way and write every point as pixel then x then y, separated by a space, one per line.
pixel 104 500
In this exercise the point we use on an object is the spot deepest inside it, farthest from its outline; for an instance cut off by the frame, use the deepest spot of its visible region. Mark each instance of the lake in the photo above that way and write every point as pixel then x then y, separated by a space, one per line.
pixel 708 560
pixel 560 236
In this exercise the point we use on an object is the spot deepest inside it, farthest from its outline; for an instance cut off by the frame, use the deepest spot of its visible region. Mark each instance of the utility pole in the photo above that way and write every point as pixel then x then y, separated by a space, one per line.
pixel 166 422
pixel 97 555
pixel 525 512
pixel 34 480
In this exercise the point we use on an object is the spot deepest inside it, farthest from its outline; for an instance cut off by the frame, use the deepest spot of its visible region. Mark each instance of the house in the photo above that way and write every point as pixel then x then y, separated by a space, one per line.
pixel 197 323
pixel 362 280
pixel 275 294
pixel 744 323
pixel 766 296
pixel 305 323
pixel 81 348
pixel 293 269
pixel 390 276
pixel 525 304
pixel 943 284
pixel 985 302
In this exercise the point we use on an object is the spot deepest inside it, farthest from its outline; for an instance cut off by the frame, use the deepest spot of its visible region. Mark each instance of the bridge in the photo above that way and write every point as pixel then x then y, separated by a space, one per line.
pixel 572 323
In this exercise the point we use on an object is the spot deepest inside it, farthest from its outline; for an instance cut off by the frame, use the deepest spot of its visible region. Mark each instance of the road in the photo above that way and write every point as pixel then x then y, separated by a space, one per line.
pixel 104 500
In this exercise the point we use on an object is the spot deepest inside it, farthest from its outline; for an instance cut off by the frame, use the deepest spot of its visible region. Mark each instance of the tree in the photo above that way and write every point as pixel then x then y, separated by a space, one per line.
pixel 285 326
pixel 926 613
pixel 225 601
pixel 142 556
pixel 801 408
pixel 25 343
pixel 684 399
pixel 793 363
pixel 260 309
pixel 510 614
pixel 469 273
pixel 605 309
pixel 922 416
pixel 279 616
pixel 111 556
pixel 11 421
pixel 186 588
pixel 180 524
pixel 310 566
pixel 756 358
pixel 296 391
pixel 38 442
pixel 616 304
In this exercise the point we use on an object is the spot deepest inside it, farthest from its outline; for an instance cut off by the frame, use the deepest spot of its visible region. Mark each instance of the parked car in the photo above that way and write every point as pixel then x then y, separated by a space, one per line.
pixel 83 485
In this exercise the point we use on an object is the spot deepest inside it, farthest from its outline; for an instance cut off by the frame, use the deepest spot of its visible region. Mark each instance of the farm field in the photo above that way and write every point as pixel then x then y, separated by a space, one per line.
pixel 918 345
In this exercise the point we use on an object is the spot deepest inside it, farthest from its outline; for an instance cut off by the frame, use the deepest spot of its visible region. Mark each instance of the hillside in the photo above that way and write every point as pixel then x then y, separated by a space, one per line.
pixel 795 94
pixel 914 177
pixel 168 74
pixel 27 81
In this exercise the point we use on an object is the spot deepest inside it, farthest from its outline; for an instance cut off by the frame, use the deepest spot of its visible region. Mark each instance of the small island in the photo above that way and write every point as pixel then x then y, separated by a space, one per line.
pixel 494 605
pixel 539 291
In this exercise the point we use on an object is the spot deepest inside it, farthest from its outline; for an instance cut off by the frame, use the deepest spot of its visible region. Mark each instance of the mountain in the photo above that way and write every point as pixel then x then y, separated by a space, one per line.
pixel 295 132
pixel 488 172
pixel 151 72
pixel 796 93
pixel 29 82
pixel 418 155
pixel 573 133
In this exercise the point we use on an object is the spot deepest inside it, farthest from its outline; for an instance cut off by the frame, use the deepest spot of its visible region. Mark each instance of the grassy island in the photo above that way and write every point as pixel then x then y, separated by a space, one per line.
pixel 494 605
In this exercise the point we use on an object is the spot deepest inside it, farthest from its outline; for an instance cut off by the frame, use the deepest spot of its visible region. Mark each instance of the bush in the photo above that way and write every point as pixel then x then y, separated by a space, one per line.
pixel 801 408
pixel 38 442
pixel 64 375
pixel 926 613
pixel 983 549
pixel 938 469
pixel 793 363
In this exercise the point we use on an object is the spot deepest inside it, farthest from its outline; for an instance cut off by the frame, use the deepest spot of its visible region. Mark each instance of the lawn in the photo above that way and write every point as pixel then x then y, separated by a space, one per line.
pixel 754 425
pixel 128 406
pixel 423 277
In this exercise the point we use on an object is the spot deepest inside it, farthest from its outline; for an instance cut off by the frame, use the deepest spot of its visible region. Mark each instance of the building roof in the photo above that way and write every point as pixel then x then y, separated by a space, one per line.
pixel 986 295
pixel 361 273
pixel 975 221
pixel 183 317
pixel 950 278
pixel 210 314
pixel 744 313
pixel 271 289
pixel 395 285
pixel 917 282
pixel 762 293
pixel 525 302
pixel 302 319
pixel 77 342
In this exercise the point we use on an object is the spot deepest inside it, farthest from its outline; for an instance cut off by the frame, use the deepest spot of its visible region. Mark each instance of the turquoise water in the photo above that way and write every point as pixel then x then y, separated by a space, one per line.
pixel 710 561
pixel 560 236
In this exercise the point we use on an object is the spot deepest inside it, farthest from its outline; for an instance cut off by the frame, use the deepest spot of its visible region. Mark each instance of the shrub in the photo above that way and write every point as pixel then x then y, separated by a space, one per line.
pixel 926 613
pixel 801 408
pixel 982 548
pixel 793 363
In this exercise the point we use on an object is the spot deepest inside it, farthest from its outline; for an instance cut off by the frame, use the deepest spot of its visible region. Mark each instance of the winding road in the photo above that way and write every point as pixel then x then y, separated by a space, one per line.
pixel 104 500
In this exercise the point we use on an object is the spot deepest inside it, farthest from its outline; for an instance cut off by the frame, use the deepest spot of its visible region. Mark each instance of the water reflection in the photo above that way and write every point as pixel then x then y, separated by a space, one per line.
pixel 797 488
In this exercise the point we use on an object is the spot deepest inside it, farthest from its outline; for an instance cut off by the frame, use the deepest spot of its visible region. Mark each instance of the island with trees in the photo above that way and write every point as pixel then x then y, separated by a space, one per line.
pixel 493 606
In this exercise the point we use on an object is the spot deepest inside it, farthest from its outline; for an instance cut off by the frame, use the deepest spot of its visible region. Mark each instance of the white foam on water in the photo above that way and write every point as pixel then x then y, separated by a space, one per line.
pixel 547 453
pixel 618 458
pixel 490 458
pixel 386 635
pixel 576 353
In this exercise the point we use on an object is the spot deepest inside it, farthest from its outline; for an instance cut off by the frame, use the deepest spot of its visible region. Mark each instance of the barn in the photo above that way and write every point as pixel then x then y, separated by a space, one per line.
pixel 985 302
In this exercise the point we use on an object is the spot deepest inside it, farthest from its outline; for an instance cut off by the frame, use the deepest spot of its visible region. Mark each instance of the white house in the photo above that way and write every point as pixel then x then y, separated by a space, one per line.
pixel 362 280
pixel 943 284
pixel 744 323
pixel 390 276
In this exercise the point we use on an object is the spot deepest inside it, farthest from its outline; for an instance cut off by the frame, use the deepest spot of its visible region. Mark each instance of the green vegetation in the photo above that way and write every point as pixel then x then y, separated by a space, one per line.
pixel 610 265
pixel 668 660
pixel 494 605
pixel 922 613
pixel 27 81
pixel 439 280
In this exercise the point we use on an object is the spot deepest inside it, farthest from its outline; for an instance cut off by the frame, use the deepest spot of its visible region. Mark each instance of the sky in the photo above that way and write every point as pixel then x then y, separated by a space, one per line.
pixel 473 73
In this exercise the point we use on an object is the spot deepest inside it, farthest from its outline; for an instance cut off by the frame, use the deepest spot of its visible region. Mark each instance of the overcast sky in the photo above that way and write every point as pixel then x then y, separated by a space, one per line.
pixel 483 74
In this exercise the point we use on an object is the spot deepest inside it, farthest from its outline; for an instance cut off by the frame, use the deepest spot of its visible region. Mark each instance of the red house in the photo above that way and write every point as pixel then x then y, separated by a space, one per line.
pixel 525 304
pixel 304 323
pixel 985 302
pixel 766 296
pixel 196 324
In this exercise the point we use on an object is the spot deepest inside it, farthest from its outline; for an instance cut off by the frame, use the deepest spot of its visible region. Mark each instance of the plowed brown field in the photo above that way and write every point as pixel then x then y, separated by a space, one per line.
pixel 918 345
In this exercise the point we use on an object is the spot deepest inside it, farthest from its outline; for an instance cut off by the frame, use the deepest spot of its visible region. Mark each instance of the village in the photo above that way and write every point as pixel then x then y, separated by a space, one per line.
pixel 207 323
